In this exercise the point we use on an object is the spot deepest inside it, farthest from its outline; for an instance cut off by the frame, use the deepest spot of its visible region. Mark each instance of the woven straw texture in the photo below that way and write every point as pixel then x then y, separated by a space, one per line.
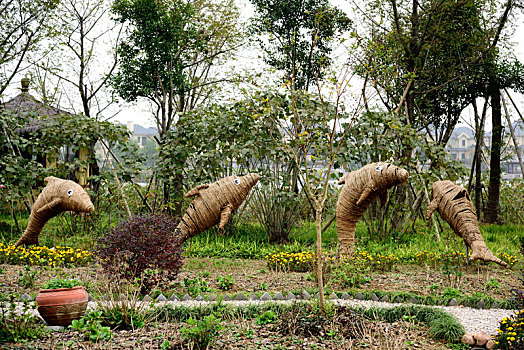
pixel 361 188
pixel 214 204
pixel 56 197
pixel 455 207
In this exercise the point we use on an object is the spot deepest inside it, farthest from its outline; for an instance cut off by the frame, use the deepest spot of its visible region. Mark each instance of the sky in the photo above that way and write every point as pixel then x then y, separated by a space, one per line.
pixel 139 112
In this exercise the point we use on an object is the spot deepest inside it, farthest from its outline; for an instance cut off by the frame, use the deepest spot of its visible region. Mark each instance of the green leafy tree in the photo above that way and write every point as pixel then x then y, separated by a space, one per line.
pixel 301 33
pixel 169 51
pixel 170 57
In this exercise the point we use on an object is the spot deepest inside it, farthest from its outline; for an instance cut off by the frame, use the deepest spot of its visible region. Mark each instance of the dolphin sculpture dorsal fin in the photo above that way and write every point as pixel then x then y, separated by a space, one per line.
pixel 196 191
pixel 53 203
pixel 365 194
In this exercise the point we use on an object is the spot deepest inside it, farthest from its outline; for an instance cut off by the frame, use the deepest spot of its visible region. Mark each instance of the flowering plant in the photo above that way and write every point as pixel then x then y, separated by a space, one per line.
pixel 511 332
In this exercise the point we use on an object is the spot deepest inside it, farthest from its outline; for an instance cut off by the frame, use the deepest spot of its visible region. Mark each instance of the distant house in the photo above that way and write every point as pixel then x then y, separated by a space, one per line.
pixel 510 161
pixel 140 134
pixel 461 145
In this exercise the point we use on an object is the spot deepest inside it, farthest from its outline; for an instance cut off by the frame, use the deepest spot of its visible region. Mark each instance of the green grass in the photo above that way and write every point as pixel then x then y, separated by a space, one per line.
pixel 248 240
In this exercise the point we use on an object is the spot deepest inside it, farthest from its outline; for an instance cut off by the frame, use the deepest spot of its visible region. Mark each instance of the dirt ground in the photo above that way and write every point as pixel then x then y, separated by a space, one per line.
pixel 254 275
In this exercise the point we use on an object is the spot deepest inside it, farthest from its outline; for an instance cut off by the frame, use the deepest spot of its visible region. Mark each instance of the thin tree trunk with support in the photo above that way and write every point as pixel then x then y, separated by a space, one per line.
pixel 491 213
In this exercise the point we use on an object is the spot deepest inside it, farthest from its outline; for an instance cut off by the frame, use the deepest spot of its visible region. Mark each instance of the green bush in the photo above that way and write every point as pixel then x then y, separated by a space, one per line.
pixel 202 334
pixel 267 318
pixel 441 324
pixel 56 283
pixel 195 286
pixel 18 323
pixel 350 273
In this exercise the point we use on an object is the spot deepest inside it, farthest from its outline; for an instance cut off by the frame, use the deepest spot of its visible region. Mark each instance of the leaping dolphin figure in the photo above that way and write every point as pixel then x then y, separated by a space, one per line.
pixel 362 187
pixel 214 203
pixel 57 196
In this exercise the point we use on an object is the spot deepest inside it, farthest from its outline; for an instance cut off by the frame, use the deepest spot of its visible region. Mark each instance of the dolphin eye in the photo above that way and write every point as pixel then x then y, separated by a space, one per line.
pixel 378 168
pixel 70 193
pixel 237 182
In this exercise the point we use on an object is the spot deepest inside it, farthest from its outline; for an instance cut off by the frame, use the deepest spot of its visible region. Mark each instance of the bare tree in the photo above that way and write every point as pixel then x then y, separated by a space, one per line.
pixel 23 24
pixel 87 44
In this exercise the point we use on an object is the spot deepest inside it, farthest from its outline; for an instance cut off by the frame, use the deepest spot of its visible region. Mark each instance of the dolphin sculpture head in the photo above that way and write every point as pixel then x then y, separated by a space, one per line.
pixel 387 175
pixel 69 195
pixel 239 187
pixel 57 196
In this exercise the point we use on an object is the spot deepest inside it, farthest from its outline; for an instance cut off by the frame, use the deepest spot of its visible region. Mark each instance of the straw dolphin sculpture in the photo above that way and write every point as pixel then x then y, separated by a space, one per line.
pixel 57 196
pixel 455 207
pixel 361 188
pixel 214 204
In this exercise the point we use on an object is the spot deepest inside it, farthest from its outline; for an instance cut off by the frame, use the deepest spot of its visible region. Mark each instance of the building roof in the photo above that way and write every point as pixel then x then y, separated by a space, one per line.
pixel 462 130
pixel 140 130
pixel 518 126
pixel 26 105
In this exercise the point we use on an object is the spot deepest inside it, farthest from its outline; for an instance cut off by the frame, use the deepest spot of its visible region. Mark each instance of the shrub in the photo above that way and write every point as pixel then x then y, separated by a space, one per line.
pixel 350 273
pixel 195 286
pixel 202 333
pixel 147 248
pixel 91 326
pixel 267 318
pixel 27 279
pixel 18 323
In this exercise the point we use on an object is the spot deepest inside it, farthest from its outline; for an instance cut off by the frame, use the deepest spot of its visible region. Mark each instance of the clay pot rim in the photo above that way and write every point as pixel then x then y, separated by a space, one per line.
pixel 60 289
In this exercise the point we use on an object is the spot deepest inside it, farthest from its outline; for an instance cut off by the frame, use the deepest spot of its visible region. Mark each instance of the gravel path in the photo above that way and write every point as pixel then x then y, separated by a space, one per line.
pixel 473 320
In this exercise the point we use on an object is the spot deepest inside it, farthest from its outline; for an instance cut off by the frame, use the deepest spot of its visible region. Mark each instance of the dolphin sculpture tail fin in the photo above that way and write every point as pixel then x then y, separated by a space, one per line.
pixel 481 252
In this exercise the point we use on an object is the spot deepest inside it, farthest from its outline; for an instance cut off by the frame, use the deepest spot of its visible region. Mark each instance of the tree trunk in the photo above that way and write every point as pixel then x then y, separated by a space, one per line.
pixel 320 279
pixel 491 214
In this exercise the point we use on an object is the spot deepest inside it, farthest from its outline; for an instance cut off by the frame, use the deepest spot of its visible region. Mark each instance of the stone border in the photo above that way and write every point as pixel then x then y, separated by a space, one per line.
pixel 240 296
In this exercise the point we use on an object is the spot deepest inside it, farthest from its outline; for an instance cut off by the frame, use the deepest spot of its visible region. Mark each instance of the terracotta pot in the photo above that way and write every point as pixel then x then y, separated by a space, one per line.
pixel 59 307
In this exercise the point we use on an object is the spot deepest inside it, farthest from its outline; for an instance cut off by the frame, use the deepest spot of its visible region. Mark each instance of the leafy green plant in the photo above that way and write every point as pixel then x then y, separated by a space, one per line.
pixel 450 293
pixel 201 334
pixel 27 277
pixel 267 318
pixel 225 282
pixel 493 283
pixel 195 286
pixel 263 286
pixel 56 283
pixel 91 326
pixel 350 273
pixel 18 322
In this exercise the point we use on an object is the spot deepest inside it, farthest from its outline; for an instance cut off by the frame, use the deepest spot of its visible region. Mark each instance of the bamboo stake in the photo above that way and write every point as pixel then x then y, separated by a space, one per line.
pixel 117 180
pixel 133 182
pixel 512 132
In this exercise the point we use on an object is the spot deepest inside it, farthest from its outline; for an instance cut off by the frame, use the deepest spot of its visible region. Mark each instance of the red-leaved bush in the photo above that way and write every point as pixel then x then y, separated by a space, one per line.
pixel 144 248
